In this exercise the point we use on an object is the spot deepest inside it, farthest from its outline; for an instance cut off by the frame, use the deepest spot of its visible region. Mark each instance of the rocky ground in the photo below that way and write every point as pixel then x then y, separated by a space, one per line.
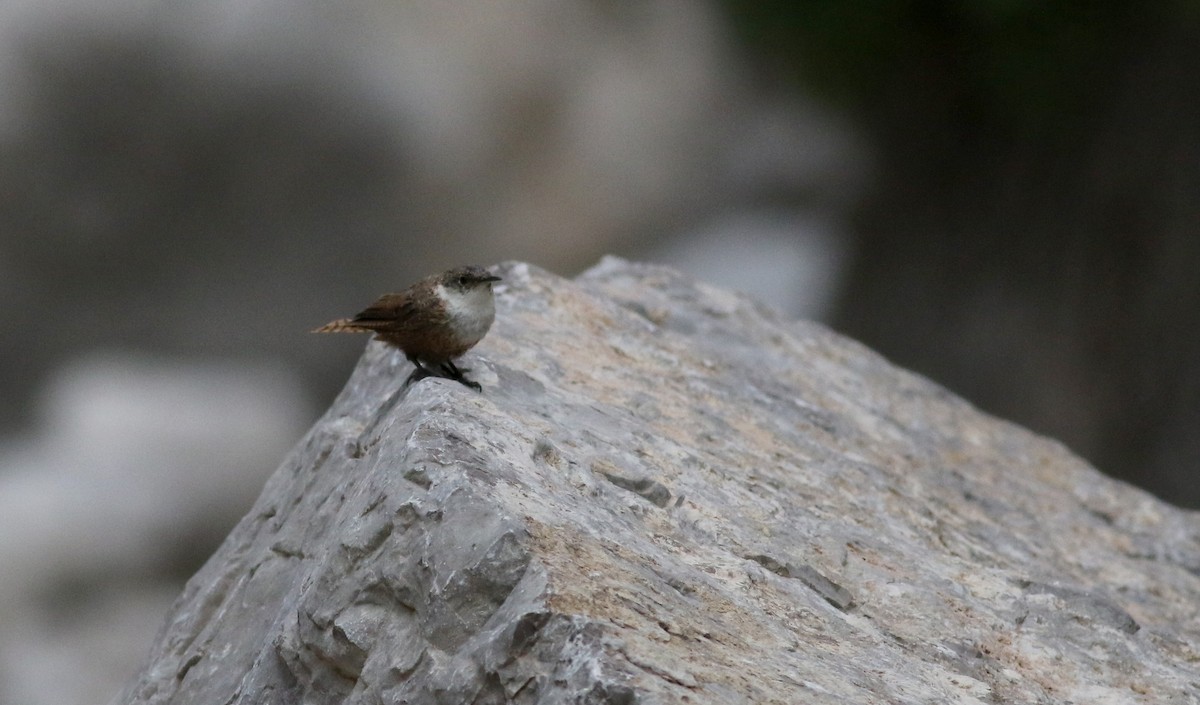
pixel 667 493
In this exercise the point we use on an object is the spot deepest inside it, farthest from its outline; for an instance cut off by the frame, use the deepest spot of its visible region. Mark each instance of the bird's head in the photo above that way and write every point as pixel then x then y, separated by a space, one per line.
pixel 464 279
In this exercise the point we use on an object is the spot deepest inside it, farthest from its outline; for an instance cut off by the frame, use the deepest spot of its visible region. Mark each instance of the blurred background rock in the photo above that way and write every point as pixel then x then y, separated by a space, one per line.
pixel 1001 195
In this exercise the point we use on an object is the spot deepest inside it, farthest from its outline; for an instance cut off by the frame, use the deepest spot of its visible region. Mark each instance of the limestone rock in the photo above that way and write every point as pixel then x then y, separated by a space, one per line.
pixel 667 494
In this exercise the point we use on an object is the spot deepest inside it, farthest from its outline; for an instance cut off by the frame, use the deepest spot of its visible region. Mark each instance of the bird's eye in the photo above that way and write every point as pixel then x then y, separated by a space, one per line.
pixel 462 281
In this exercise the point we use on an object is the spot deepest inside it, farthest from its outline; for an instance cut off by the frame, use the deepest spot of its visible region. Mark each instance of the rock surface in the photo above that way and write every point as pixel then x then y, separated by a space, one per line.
pixel 667 494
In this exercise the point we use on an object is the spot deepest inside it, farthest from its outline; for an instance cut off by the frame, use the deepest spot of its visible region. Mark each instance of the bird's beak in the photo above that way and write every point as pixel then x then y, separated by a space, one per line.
pixel 491 278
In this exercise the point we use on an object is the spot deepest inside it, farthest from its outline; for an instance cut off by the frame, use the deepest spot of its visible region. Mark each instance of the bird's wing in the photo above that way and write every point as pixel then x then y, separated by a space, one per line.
pixel 389 311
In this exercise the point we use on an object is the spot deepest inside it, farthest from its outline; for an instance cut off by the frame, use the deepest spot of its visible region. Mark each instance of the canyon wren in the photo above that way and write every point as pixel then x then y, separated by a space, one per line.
pixel 432 322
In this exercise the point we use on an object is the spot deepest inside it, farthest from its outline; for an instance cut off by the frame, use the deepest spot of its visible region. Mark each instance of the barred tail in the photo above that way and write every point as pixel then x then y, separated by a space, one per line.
pixel 341 325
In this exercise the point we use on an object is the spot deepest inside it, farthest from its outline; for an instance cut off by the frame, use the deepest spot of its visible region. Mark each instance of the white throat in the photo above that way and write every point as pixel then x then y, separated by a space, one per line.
pixel 470 313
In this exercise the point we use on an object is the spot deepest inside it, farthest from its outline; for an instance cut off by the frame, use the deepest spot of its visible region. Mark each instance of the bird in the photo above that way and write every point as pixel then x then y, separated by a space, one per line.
pixel 432 322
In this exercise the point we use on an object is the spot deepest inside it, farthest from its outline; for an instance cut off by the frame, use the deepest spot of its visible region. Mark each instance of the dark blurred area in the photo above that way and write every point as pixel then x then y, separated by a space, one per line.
pixel 1000 195
pixel 196 206
pixel 1031 235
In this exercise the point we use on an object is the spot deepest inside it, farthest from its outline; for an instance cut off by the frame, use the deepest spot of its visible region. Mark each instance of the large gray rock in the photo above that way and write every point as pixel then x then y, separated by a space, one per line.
pixel 667 494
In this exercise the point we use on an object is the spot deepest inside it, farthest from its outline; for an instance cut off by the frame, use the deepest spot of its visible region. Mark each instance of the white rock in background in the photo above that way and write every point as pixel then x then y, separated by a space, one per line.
pixel 788 260
pixel 139 467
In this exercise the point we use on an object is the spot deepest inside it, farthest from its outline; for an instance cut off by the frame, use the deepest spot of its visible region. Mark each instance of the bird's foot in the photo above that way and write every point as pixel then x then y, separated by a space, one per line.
pixel 445 370
pixel 417 374
pixel 458 374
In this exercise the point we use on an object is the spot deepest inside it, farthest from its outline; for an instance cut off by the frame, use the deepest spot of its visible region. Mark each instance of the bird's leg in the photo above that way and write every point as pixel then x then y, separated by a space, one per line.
pixel 445 369
pixel 458 375
pixel 421 372
pixel 417 374
pixel 453 370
